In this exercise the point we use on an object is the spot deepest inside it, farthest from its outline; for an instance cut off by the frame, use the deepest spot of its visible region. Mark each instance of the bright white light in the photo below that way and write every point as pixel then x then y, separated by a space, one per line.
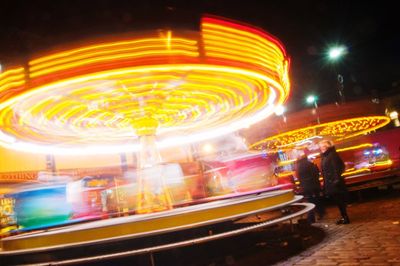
pixel 36 148
pixel 393 115
pixel 279 110
pixel 208 148
pixel 7 137
pixel 311 99
pixel 336 52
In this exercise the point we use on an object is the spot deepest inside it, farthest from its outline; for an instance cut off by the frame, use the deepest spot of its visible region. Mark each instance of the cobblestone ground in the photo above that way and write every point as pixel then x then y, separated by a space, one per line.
pixel 372 238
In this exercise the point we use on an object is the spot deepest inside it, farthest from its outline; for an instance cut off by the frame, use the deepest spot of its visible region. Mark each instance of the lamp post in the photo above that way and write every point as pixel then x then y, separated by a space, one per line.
pixel 334 54
pixel 312 99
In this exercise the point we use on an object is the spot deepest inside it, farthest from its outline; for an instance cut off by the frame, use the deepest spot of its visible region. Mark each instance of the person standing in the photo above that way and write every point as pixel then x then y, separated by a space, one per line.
pixel 332 167
pixel 308 175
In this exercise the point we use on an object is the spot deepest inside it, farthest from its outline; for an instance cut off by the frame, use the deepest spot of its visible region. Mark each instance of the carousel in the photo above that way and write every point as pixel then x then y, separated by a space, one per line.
pixel 142 94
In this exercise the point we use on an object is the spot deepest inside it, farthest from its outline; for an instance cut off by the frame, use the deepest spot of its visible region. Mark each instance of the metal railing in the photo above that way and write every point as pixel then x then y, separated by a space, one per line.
pixel 151 250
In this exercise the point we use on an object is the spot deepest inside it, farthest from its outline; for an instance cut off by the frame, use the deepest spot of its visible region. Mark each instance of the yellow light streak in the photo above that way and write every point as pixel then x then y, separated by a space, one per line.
pixel 364 145
pixel 384 163
pixel 287 162
pixel 358 171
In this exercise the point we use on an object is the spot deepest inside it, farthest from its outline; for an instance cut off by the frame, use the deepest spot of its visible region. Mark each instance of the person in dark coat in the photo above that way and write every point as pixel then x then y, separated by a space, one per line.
pixel 332 168
pixel 308 175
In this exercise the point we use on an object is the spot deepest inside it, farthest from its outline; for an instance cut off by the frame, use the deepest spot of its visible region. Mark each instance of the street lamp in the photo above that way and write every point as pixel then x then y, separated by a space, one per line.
pixel 334 54
pixel 312 99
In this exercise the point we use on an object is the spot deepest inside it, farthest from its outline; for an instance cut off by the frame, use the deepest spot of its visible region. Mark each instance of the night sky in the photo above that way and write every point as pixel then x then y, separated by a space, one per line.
pixel 306 28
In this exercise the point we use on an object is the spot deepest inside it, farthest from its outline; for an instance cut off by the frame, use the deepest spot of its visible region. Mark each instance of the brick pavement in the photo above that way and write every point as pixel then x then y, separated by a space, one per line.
pixel 372 238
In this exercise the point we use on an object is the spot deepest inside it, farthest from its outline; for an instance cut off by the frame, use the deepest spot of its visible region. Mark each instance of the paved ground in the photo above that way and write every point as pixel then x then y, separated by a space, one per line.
pixel 373 237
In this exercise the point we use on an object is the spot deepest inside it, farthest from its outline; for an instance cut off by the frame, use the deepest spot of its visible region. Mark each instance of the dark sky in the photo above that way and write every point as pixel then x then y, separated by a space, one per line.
pixel 370 30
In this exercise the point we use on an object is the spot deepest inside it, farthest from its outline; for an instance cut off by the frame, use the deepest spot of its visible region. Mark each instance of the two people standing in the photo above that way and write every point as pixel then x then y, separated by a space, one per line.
pixel 332 168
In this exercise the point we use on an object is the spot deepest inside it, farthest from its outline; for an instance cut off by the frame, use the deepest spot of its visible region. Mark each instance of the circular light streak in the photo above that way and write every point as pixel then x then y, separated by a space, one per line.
pixel 103 97
pixel 336 130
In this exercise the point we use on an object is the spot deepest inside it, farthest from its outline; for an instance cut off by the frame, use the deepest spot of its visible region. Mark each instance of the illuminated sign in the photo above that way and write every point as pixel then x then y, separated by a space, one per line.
pixel 97 183
pixel 19 176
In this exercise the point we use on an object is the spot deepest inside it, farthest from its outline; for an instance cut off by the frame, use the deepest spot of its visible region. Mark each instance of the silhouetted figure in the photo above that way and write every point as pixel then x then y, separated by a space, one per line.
pixel 332 168
pixel 308 175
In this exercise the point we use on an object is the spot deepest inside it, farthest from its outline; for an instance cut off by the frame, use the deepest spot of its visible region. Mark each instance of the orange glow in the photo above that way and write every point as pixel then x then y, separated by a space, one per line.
pixel 181 87
pixel 337 130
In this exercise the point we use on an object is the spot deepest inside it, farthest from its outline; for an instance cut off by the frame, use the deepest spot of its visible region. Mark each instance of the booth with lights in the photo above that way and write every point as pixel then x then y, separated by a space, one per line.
pixel 360 158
